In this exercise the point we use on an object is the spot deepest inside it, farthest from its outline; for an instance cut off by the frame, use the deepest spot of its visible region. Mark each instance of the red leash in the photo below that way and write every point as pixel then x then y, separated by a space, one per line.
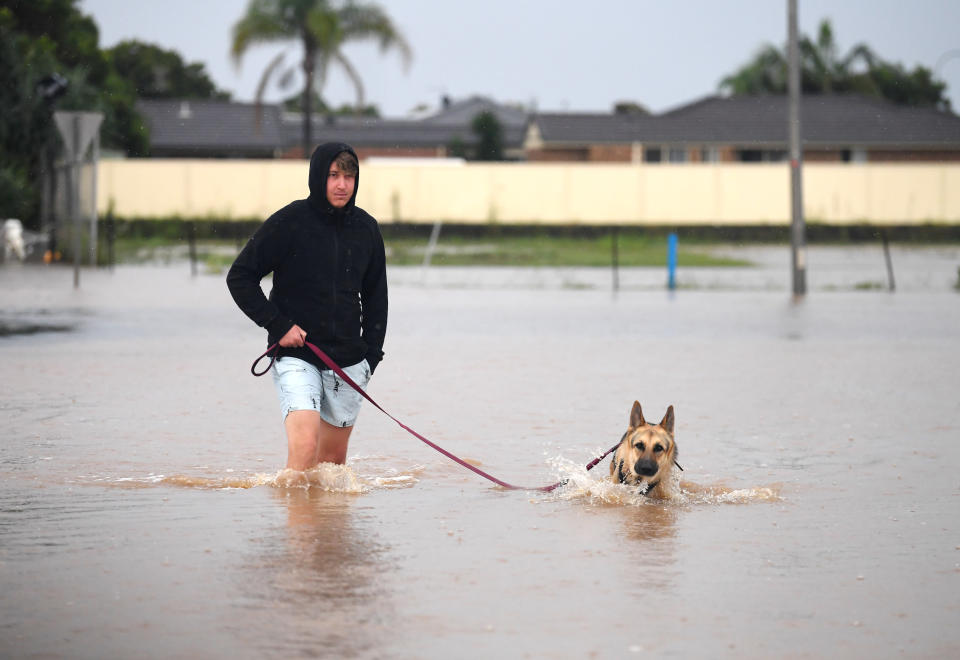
pixel 336 369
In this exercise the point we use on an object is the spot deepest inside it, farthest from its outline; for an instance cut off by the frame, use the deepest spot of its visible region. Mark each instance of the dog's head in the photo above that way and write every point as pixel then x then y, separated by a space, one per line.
pixel 646 453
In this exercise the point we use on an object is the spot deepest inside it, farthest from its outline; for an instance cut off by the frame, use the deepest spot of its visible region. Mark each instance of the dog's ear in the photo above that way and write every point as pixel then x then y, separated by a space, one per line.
pixel 636 416
pixel 667 421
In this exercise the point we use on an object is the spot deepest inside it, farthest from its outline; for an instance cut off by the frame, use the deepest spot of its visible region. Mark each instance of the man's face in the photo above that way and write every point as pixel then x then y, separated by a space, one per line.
pixel 340 186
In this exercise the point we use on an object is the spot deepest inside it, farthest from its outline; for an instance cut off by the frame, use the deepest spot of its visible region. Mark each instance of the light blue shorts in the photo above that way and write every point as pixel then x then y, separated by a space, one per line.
pixel 302 386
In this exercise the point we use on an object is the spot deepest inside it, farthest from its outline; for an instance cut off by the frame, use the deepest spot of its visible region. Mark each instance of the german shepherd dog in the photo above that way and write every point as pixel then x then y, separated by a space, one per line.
pixel 646 455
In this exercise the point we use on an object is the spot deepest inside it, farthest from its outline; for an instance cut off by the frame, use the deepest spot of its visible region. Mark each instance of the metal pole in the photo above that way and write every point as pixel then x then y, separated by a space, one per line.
pixel 111 238
pixel 798 248
pixel 74 206
pixel 94 242
pixel 192 243
pixel 672 261
pixel 886 255
pixel 47 178
pixel 432 243
pixel 615 257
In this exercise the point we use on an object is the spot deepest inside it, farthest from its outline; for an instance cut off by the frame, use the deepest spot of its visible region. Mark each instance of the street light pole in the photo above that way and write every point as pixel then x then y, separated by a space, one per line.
pixel 798 247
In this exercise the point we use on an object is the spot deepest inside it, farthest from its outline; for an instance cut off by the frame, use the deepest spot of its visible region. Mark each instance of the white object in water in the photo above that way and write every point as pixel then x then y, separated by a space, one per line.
pixel 13 239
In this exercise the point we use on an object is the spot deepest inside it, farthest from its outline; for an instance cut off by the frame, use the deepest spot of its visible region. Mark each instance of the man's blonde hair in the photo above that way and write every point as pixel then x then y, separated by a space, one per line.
pixel 347 163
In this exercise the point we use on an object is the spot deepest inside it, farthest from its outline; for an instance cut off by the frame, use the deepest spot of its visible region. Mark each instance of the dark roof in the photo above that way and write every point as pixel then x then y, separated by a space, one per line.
pixel 839 119
pixel 211 126
pixel 462 113
pixel 221 128
pixel 827 119
pixel 179 127
pixel 378 132
pixel 579 128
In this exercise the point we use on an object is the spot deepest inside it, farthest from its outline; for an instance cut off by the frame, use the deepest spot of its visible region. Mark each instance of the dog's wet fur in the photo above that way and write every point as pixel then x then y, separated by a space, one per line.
pixel 647 454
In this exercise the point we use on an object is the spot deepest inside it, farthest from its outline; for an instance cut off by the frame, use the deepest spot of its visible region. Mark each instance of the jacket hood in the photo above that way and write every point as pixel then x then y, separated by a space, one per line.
pixel 323 156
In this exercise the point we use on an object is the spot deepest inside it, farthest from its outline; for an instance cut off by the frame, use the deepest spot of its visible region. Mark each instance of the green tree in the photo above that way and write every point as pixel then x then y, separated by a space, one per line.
pixel 26 127
pixel 824 70
pixel 295 104
pixel 54 36
pixel 71 36
pixel 158 73
pixel 629 108
pixel 457 148
pixel 322 28
pixel 489 134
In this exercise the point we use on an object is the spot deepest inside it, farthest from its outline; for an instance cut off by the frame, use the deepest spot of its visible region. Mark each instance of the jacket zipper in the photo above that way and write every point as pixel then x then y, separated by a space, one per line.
pixel 336 274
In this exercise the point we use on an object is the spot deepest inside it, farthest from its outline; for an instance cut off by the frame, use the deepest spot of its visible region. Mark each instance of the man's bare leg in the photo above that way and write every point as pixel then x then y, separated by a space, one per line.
pixel 310 440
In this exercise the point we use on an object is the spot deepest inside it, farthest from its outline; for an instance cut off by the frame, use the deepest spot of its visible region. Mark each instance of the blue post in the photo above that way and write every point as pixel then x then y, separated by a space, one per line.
pixel 672 261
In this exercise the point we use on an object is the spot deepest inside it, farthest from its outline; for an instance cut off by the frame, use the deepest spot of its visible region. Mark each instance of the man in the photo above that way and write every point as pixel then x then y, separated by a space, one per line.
pixel 329 288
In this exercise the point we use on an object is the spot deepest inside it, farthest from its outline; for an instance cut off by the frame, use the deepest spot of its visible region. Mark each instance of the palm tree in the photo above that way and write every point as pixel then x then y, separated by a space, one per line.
pixel 825 70
pixel 322 27
pixel 766 73
pixel 822 70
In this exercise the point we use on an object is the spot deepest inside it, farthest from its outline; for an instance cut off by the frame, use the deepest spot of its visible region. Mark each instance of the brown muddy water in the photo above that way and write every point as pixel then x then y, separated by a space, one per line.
pixel 141 514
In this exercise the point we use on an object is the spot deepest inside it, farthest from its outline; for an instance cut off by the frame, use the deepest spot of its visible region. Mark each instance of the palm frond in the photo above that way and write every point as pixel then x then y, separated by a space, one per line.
pixel 260 24
pixel 354 77
pixel 362 22
pixel 267 74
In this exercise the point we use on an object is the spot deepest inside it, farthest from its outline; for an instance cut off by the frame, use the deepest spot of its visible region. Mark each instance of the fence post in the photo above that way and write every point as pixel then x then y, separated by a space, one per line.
pixel 111 238
pixel 615 257
pixel 192 240
pixel 672 261
pixel 886 255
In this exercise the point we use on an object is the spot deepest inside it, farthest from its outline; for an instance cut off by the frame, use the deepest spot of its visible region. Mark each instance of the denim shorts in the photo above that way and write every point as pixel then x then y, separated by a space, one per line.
pixel 302 386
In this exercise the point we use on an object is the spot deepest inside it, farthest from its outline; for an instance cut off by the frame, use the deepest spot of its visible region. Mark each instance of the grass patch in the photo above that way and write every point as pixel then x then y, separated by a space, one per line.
pixel 455 250
pixel 547 250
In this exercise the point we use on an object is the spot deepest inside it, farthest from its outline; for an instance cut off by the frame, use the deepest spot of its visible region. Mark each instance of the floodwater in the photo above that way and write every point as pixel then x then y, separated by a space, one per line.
pixel 141 513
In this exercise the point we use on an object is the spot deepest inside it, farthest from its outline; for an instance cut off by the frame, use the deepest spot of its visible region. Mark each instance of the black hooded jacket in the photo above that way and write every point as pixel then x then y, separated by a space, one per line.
pixel 329 273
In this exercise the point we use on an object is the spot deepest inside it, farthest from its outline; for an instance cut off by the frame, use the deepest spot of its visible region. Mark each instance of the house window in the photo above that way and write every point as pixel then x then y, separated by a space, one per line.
pixel 677 155
pixel 762 155
pixel 855 155
pixel 710 155
pixel 651 155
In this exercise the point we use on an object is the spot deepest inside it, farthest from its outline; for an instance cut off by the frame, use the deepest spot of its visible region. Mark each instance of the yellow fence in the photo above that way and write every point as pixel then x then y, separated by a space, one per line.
pixel 544 193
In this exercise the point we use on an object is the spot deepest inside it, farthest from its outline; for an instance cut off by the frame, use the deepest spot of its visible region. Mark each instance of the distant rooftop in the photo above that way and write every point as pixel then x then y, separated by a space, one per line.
pixel 201 125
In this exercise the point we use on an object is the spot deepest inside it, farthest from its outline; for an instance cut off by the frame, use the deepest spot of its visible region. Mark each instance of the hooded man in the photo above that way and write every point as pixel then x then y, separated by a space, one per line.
pixel 329 285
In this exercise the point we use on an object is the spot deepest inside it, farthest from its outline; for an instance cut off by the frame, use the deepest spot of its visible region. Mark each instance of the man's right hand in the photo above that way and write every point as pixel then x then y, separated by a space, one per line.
pixel 294 338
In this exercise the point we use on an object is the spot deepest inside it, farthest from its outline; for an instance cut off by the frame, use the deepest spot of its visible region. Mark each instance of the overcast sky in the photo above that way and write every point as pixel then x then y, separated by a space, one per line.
pixel 554 55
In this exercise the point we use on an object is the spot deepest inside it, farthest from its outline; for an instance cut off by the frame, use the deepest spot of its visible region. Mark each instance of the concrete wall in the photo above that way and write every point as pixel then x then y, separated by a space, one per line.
pixel 743 194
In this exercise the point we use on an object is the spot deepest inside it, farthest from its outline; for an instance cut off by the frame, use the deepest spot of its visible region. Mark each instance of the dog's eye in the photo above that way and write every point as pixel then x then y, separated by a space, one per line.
pixel 657 448
pixel 640 446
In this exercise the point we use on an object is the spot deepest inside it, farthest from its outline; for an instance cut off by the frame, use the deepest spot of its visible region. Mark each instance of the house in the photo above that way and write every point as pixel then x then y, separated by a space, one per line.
pixel 590 137
pixel 189 128
pixel 841 128
pixel 223 129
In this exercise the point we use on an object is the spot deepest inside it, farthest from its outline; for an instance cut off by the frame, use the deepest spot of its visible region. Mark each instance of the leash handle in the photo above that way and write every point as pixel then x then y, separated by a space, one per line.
pixel 274 349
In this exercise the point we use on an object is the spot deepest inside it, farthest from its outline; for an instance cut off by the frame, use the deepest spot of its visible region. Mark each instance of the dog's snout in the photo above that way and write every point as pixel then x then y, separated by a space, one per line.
pixel 646 467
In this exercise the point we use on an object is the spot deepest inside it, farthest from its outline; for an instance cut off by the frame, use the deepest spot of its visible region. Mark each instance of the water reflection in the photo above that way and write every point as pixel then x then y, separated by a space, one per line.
pixel 318 577
pixel 651 522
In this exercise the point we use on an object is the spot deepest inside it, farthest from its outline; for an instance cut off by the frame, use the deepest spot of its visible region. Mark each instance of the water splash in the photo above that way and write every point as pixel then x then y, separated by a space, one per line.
pixel 327 477
pixel 595 487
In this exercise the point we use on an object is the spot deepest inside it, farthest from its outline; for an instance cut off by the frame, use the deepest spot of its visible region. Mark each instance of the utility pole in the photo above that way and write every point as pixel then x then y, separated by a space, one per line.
pixel 798 247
